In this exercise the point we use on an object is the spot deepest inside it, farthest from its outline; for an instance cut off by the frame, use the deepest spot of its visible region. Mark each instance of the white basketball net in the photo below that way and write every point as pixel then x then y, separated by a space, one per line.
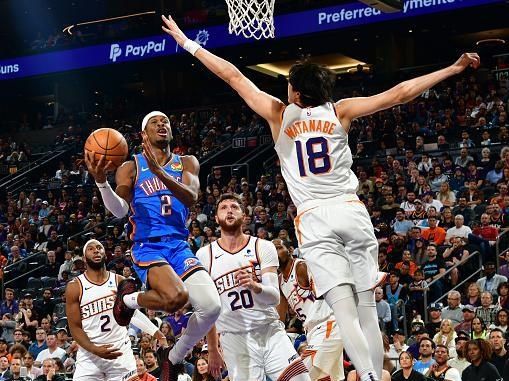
pixel 251 18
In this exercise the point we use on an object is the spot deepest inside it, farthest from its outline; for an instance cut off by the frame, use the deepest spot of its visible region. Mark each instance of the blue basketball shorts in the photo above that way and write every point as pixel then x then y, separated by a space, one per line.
pixel 168 250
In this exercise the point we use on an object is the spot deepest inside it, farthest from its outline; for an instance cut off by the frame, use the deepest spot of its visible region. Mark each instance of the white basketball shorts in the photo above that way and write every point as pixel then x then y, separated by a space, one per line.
pixel 267 351
pixel 90 367
pixel 337 240
pixel 324 354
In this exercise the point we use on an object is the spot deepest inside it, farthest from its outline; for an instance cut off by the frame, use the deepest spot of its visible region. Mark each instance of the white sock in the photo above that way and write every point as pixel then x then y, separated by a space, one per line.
pixel 366 307
pixel 131 300
pixel 342 301
pixel 207 306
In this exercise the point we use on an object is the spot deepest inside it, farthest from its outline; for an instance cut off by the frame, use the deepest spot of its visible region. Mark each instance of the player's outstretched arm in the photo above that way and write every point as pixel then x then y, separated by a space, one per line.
pixel 351 108
pixel 265 105
pixel 72 310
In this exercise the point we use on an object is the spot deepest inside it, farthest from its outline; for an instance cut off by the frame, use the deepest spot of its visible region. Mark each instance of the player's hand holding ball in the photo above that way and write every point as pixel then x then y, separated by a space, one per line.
pixel 105 150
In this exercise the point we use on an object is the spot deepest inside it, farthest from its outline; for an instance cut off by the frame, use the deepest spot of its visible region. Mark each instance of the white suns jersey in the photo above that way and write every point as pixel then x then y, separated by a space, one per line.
pixel 315 157
pixel 241 310
pixel 96 305
pixel 302 301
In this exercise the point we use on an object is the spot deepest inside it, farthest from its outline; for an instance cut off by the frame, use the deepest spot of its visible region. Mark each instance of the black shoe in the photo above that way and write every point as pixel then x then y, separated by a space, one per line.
pixel 168 371
pixel 121 312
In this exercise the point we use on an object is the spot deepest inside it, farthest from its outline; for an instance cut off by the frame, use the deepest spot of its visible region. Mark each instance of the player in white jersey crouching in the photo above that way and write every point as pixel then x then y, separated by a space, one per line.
pixel 244 270
pixel 323 355
pixel 105 348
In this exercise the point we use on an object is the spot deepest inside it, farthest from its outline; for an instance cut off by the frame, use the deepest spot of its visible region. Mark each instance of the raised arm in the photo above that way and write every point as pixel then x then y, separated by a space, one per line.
pixel 265 105
pixel 350 108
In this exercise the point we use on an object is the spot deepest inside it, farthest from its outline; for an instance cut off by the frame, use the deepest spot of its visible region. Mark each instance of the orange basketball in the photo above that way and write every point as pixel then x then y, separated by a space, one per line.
pixel 110 143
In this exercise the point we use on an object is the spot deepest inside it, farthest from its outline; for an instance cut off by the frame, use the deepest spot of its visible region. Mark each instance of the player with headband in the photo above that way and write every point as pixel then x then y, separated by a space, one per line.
pixel 156 190
pixel 104 346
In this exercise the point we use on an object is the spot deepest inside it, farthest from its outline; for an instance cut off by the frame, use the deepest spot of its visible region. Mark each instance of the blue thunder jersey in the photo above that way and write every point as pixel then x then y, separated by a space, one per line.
pixel 154 211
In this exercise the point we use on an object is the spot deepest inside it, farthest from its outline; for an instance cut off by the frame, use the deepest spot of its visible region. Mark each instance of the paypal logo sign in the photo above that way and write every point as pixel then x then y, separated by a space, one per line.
pixel 131 50
pixel 115 52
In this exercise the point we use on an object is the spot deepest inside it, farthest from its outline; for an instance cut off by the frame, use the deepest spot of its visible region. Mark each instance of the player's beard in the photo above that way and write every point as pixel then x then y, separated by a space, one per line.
pixel 231 227
pixel 95 265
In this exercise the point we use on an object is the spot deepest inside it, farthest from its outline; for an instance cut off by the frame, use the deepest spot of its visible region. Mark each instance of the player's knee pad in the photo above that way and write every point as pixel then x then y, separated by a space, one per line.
pixel 366 298
pixel 338 293
pixel 203 295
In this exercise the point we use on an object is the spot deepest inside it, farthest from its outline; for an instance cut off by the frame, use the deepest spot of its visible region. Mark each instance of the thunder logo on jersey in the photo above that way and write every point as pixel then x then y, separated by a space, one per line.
pixel 155 212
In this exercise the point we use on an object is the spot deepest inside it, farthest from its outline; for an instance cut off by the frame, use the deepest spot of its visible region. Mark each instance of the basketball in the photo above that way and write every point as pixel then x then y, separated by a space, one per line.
pixel 110 143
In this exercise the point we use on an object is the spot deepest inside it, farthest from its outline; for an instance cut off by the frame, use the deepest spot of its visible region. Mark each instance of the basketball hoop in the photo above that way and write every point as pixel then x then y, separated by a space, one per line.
pixel 251 18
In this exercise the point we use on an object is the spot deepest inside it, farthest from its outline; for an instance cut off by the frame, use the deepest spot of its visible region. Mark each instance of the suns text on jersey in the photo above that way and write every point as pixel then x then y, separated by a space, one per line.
pixel 153 184
pixel 97 306
pixel 227 281
pixel 311 125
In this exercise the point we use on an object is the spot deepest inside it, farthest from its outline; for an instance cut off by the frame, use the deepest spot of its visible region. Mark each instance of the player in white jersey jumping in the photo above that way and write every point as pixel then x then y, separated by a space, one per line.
pixel 244 270
pixel 105 352
pixel 323 355
pixel 334 230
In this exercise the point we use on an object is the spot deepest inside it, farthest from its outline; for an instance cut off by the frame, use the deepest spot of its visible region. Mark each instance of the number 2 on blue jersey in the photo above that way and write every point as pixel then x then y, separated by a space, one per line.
pixel 315 166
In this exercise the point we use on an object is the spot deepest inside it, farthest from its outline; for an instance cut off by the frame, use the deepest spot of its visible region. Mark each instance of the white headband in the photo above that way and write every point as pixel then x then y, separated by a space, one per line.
pixel 89 242
pixel 150 115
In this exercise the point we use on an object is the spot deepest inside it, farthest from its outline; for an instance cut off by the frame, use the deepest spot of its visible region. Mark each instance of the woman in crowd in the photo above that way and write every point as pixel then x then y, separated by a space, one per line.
pixel 117 234
pixel 165 328
pixel 27 321
pixel 201 371
pixel 446 218
pixel 143 345
pixel 503 295
pixel 446 335
pixel 438 179
pixel 406 371
pixel 445 195
pixel 478 329
pixel 478 354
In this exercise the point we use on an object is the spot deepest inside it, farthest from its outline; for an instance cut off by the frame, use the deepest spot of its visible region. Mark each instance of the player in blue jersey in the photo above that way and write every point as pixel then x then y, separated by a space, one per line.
pixel 156 189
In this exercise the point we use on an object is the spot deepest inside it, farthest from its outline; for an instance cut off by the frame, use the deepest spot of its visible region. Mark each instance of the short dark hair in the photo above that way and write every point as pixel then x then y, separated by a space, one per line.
pixel 443 346
pixel 150 350
pixel 433 345
pixel 314 82
pixel 230 196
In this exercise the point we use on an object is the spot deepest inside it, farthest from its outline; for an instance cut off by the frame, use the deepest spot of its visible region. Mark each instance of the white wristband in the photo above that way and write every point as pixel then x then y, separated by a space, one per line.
pixel 191 46
pixel 103 185
pixel 142 321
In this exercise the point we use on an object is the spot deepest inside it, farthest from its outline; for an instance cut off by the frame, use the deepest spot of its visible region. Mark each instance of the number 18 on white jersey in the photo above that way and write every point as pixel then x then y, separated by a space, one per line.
pixel 315 157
